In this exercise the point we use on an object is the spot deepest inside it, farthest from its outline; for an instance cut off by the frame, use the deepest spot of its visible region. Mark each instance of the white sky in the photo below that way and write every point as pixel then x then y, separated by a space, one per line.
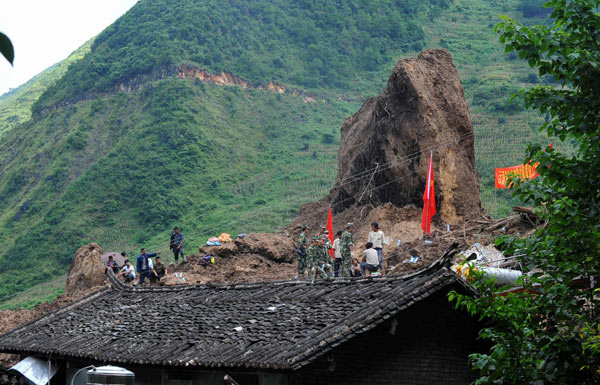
pixel 44 32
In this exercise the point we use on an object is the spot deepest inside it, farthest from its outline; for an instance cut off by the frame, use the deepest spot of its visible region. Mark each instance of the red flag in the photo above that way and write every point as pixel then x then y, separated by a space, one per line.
pixel 428 199
pixel 330 229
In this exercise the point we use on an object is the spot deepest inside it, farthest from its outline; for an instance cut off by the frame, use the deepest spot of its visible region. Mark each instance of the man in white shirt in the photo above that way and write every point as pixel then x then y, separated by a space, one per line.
pixel 370 261
pixel 337 253
pixel 128 272
pixel 376 237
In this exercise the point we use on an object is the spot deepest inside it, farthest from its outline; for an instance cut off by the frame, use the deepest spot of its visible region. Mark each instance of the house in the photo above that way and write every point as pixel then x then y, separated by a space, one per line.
pixel 388 330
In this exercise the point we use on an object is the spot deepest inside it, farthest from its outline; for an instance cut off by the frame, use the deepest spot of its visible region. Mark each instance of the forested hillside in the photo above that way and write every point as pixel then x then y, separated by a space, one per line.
pixel 15 105
pixel 122 148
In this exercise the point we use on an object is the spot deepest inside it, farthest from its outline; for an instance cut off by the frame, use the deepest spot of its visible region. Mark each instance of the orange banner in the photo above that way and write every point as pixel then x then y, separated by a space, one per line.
pixel 525 171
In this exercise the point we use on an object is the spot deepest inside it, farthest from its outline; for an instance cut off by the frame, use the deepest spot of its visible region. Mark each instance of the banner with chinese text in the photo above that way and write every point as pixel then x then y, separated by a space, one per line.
pixel 525 171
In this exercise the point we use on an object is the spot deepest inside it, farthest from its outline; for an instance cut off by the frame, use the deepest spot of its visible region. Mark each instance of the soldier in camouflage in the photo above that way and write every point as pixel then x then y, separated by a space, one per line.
pixel 323 264
pixel 328 244
pixel 301 252
pixel 346 243
pixel 311 257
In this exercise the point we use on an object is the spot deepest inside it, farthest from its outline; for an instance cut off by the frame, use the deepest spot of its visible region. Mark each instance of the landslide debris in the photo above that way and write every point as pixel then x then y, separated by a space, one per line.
pixel 385 146
pixel 255 257
pixel 86 271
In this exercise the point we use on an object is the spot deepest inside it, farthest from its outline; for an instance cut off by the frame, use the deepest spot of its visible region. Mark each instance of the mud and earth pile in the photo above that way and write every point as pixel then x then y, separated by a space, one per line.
pixel 87 270
pixel 385 146
pixel 256 257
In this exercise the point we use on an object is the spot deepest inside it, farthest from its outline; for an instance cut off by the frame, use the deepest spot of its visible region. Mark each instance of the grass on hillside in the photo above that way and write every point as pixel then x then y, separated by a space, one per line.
pixel 15 105
pixel 42 292
pixel 124 169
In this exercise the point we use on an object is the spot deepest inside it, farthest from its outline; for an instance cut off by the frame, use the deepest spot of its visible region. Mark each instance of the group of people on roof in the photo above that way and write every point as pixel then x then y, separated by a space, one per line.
pixel 145 268
pixel 315 257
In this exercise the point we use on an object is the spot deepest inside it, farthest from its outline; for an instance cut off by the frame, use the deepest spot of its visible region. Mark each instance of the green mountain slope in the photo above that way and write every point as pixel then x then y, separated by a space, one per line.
pixel 121 149
pixel 306 44
pixel 15 105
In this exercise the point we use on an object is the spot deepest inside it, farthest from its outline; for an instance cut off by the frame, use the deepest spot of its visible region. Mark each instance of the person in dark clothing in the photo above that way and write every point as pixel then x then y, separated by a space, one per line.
pixel 177 245
pixel 355 268
pixel 160 270
pixel 143 265
pixel 112 265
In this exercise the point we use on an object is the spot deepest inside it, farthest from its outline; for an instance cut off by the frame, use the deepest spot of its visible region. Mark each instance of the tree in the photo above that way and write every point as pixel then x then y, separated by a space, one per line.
pixel 550 332
pixel 6 48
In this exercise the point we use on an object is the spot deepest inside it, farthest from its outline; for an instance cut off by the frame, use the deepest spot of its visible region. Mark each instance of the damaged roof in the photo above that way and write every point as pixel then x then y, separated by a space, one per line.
pixel 275 325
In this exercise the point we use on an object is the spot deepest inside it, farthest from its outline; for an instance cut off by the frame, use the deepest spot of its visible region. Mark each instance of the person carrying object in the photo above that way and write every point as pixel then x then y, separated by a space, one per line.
pixel 177 245
pixel 370 261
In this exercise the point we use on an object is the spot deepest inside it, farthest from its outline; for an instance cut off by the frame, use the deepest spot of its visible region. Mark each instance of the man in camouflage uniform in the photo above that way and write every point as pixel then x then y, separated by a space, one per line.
pixel 346 243
pixel 312 254
pixel 323 264
pixel 324 233
pixel 301 252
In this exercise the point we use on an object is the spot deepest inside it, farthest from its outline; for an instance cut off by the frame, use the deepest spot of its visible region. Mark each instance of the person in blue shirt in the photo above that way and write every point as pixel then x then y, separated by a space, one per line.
pixel 143 265
pixel 177 245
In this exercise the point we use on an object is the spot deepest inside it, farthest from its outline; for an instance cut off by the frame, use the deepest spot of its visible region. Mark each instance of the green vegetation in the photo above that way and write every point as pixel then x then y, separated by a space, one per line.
pixel 35 295
pixel 550 332
pixel 15 105
pixel 121 168
pixel 311 45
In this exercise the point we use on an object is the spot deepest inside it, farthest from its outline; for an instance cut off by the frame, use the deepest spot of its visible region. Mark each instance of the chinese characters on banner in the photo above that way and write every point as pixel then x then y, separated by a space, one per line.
pixel 525 171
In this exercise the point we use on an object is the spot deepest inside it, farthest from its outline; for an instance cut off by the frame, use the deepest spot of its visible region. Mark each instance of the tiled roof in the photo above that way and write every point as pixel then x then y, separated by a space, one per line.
pixel 275 325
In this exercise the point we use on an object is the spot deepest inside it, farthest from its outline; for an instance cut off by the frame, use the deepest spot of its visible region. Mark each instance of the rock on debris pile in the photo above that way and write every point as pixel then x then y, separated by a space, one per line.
pixel 385 146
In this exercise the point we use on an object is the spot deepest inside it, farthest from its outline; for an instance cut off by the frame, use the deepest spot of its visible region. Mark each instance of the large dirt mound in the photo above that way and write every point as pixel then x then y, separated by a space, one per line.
pixel 86 271
pixel 385 146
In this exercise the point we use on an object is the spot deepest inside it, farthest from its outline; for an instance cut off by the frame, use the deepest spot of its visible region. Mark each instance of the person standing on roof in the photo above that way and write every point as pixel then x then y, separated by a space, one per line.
pixel 177 245
pixel 301 252
pixel 346 244
pixel 337 253
pixel 376 237
pixel 323 263
pixel 312 253
pixel 325 235
pixel 143 265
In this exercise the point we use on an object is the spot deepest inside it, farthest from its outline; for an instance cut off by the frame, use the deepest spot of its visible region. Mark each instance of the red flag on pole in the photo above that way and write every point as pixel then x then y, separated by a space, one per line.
pixel 330 229
pixel 428 199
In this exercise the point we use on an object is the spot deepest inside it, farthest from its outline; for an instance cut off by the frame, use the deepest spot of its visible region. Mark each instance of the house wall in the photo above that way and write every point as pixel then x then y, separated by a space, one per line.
pixel 430 346
pixel 146 375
